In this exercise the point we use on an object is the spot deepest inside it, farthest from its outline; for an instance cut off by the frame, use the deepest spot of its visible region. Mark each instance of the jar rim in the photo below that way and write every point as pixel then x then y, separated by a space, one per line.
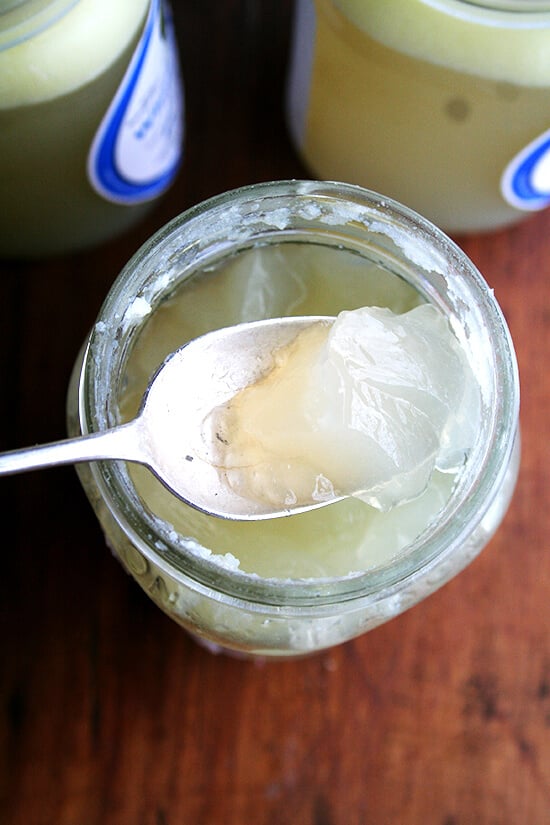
pixel 23 19
pixel 523 8
pixel 502 14
pixel 382 215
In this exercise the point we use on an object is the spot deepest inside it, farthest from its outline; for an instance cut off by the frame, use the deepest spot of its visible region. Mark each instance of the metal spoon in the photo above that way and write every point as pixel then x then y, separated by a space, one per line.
pixel 191 382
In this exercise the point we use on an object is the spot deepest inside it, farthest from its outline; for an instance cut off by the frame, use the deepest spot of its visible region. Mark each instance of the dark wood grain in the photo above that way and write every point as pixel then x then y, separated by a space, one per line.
pixel 112 716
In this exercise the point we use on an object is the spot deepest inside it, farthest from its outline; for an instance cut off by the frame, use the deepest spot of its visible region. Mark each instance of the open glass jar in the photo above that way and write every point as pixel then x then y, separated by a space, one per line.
pixel 442 104
pixel 295 585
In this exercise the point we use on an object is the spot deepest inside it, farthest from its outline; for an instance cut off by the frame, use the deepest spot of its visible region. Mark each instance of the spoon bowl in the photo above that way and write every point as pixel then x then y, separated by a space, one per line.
pixel 170 434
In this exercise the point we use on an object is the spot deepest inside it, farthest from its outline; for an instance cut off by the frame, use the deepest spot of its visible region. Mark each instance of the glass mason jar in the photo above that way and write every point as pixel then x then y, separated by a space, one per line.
pixel 441 104
pixel 91 119
pixel 270 250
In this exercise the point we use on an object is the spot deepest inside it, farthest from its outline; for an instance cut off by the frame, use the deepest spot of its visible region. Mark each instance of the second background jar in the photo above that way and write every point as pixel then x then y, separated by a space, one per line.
pixel 441 104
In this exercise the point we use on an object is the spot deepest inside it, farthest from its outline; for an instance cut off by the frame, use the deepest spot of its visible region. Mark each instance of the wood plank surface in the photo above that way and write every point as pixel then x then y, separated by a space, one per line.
pixel 111 715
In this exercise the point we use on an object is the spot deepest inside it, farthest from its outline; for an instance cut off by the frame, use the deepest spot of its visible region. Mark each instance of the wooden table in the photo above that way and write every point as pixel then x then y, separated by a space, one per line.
pixel 111 715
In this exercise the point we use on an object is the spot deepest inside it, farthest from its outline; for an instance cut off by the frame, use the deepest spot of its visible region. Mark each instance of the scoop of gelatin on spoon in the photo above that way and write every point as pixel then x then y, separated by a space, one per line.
pixel 195 379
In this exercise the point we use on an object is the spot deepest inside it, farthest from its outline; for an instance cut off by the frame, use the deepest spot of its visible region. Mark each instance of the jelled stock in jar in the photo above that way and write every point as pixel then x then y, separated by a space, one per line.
pixel 285 586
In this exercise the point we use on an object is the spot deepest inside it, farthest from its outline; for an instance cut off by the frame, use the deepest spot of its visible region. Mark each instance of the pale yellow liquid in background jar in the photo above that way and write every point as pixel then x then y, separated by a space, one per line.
pixel 61 65
pixel 425 101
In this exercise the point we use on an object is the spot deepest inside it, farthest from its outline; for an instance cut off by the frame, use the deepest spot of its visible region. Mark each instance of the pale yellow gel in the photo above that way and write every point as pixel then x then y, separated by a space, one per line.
pixel 368 406
pixel 272 281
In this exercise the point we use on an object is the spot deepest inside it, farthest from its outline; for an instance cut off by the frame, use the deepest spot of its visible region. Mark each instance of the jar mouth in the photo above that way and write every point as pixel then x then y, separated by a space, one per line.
pixel 340 215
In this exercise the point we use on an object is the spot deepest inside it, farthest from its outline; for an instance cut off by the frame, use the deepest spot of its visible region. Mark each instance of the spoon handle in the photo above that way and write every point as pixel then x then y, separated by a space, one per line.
pixel 119 443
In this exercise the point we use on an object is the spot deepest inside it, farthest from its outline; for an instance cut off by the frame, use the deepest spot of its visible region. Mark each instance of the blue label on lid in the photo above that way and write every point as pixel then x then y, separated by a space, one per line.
pixel 137 149
pixel 526 180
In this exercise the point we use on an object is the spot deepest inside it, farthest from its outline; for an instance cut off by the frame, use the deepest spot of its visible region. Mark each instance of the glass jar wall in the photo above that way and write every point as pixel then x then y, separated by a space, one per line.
pixel 291 586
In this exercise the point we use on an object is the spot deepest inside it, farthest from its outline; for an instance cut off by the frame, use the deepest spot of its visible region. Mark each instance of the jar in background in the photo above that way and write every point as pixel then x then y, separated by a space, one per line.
pixel 290 248
pixel 441 104
pixel 91 119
